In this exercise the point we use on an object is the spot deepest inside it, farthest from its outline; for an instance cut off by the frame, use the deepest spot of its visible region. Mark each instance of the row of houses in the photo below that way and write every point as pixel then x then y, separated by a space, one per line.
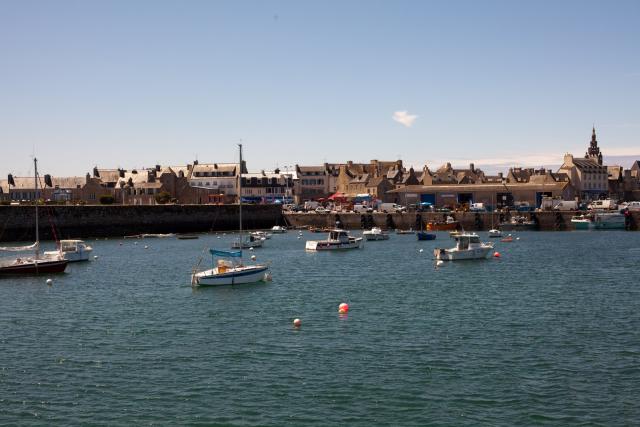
pixel 584 178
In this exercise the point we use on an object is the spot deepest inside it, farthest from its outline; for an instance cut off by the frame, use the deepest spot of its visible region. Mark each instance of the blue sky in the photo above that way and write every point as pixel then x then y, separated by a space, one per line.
pixel 135 83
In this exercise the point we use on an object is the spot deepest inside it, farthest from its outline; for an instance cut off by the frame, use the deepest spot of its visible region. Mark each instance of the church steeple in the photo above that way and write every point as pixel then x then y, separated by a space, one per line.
pixel 593 152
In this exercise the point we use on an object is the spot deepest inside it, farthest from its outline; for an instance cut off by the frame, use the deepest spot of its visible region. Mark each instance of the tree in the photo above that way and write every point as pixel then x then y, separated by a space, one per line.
pixel 163 197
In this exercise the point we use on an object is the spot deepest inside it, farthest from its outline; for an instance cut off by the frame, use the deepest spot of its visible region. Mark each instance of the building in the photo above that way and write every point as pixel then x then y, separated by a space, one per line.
pixel 313 182
pixel 494 191
pixel 220 177
pixel 266 187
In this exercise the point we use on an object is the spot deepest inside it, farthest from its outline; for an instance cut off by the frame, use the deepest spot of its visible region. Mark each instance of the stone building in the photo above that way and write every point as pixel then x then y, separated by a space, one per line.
pixel 588 176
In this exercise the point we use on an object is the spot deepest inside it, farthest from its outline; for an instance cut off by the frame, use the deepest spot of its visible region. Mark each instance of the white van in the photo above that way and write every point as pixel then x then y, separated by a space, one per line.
pixel 566 205
pixel 362 209
pixel 390 207
pixel 603 204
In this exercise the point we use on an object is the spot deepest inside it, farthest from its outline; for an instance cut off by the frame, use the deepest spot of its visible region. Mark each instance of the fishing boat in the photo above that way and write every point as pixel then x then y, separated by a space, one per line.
pixel 261 235
pixel 507 239
pixel 36 264
pixel 448 224
pixel 599 221
pixel 494 232
pixel 518 223
pixel 247 241
pixel 376 233
pixel 338 239
pixel 423 235
pixel 72 250
pixel 468 246
pixel 230 269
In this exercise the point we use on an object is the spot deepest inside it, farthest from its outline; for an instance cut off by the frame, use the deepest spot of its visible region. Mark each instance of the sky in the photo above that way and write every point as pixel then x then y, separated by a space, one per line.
pixel 136 83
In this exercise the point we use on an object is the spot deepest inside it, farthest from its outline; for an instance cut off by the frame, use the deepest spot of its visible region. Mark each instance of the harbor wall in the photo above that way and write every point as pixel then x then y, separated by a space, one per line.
pixel 472 221
pixel 17 223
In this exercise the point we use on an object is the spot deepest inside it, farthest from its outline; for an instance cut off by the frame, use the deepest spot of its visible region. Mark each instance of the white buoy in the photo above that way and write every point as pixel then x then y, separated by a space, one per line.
pixel 253 257
pixel 95 257
pixel 135 243
pixel 49 282
pixel 421 250
pixel 146 247
pixel 218 237
pixel 299 237
pixel 517 238
pixel 439 263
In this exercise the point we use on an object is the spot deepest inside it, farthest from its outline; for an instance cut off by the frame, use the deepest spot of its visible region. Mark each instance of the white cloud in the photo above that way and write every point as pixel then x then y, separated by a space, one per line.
pixel 404 118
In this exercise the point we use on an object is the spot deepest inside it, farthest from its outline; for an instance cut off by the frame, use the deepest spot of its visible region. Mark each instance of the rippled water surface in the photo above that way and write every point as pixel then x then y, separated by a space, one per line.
pixel 547 334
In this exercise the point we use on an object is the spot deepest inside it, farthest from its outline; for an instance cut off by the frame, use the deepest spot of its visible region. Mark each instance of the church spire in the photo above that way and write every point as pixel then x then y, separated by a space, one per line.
pixel 593 152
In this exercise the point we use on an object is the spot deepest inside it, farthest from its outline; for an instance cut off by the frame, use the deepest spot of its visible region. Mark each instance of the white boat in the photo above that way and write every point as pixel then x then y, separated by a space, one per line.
pixel 261 235
pixel 376 233
pixel 494 232
pixel 278 229
pixel 468 246
pixel 247 242
pixel 232 271
pixel 227 272
pixel 156 235
pixel 338 239
pixel 72 250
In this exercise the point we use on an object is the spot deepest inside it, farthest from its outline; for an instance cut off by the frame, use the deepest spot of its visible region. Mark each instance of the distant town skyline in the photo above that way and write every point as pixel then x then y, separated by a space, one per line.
pixel 495 83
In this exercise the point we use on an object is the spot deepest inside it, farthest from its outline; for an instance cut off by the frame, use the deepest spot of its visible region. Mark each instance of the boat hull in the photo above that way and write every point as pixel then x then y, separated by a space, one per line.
pixel 233 276
pixel 454 255
pixel 37 267
pixel 326 245
pixel 426 236
pixel 374 237
pixel 436 226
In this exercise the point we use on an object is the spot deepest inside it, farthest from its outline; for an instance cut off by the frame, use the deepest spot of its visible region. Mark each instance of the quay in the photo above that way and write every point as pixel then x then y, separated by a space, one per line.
pixel 16 222
pixel 471 221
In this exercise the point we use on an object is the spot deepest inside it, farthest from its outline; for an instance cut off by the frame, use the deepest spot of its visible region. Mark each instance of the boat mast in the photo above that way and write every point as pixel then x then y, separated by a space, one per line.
pixel 35 168
pixel 240 194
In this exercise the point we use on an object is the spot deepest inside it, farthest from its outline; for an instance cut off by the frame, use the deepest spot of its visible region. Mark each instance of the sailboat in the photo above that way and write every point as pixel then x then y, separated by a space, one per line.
pixel 229 268
pixel 50 263
pixel 494 232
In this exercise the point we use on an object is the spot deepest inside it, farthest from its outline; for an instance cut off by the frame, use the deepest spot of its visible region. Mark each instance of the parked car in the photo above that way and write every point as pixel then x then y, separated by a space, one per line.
pixel 320 209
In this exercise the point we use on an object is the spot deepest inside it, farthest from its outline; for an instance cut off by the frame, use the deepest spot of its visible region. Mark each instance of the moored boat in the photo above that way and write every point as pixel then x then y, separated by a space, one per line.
pixel 338 239
pixel 519 223
pixel 448 224
pixel 38 264
pixel 468 246
pixel 278 229
pixel 599 221
pixel 232 271
pixel 72 250
pixel 494 232
pixel 409 231
pixel 423 235
pixel 376 233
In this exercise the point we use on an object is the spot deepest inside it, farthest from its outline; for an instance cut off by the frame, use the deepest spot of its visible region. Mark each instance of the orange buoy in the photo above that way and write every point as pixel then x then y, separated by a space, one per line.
pixel 496 254
pixel 297 323
pixel 343 308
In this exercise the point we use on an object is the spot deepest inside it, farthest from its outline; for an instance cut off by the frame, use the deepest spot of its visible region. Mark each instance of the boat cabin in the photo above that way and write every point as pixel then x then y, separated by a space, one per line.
pixel 465 240
pixel 339 235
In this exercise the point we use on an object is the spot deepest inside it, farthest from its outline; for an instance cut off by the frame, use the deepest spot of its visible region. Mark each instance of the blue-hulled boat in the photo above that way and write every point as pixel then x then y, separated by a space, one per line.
pixel 423 235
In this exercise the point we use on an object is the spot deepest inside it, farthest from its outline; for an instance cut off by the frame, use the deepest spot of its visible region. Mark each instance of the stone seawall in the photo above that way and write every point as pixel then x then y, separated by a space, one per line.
pixel 472 221
pixel 17 223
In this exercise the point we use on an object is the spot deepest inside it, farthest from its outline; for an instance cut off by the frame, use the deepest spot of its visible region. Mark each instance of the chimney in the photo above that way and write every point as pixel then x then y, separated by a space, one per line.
pixel 157 168
pixel 87 178
pixel 568 159
pixel 472 167
pixel 500 175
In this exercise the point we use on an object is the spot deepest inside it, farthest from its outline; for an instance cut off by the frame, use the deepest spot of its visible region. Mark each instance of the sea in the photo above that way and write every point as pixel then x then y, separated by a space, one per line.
pixel 546 334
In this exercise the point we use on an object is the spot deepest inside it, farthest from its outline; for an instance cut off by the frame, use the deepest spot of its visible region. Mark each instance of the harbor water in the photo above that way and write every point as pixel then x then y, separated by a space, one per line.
pixel 549 333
